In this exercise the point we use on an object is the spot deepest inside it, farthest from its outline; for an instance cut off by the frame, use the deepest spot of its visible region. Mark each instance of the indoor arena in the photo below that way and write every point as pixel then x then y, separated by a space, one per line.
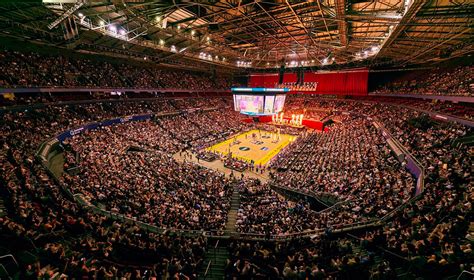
pixel 236 139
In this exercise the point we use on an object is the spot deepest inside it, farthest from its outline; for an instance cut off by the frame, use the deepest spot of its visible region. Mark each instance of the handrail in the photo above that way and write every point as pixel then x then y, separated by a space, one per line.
pixel 335 205
pixel 464 271
pixel 420 184
pixel 109 89
pixel 309 193
pixel 11 256
pixel 207 269
pixel 381 248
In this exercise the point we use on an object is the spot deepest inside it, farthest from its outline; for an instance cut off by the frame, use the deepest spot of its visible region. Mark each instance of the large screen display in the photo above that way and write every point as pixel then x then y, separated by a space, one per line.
pixel 250 104
pixel 269 100
pixel 279 103
pixel 259 104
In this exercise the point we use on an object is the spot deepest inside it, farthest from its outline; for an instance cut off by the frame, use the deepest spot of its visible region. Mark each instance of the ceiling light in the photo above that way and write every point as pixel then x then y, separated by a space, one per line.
pixel 162 42
pixel 101 23
pixel 113 28
pixel 193 32
pixel 158 18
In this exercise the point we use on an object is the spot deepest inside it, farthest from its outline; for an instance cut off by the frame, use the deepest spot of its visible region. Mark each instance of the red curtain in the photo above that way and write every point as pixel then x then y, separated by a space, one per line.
pixel 263 80
pixel 290 78
pixel 341 83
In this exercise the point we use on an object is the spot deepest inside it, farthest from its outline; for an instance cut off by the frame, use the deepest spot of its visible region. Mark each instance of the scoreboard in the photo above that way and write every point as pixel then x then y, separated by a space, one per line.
pixel 259 101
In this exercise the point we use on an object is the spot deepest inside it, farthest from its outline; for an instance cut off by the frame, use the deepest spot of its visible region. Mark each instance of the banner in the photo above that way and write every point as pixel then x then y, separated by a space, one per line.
pixel 68 134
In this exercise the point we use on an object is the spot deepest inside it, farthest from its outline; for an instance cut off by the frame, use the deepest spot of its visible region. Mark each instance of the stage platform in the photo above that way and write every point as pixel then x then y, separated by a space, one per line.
pixel 260 149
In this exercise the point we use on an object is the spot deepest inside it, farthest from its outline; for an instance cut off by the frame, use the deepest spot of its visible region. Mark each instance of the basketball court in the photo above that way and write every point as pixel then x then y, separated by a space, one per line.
pixel 257 145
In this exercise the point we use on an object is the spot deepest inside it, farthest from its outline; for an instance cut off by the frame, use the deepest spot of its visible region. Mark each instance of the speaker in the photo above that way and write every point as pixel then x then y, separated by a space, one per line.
pixel 281 72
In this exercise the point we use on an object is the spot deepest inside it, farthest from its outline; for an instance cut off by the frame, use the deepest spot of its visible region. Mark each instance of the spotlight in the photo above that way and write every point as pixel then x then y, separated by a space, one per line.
pixel 122 32
pixel 193 32
pixel 113 28
pixel 101 23
pixel 162 42
pixel 81 15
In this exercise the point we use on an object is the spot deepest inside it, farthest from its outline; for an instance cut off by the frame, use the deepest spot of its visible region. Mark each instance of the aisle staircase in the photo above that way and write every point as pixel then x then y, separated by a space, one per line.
pixel 215 260
pixel 234 208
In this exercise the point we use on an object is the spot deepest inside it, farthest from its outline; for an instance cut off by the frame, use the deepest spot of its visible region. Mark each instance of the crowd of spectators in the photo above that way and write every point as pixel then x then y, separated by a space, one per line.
pixel 264 211
pixel 67 240
pixel 29 69
pixel 321 258
pixel 171 194
pixel 458 81
pixel 351 161
pixel 305 86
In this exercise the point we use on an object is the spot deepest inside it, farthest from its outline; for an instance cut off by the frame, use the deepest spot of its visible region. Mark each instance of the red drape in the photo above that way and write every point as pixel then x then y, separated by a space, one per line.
pixel 290 78
pixel 264 80
pixel 341 83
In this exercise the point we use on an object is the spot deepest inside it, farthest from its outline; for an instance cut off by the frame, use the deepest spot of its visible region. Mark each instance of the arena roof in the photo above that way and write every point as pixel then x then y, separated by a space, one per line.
pixel 253 34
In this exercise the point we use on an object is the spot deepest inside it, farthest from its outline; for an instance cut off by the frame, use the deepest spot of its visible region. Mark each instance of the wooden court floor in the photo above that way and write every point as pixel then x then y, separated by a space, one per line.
pixel 261 148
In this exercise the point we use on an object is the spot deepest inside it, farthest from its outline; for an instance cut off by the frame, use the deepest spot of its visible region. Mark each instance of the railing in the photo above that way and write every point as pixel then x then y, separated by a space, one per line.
pixel 108 89
pixel 335 205
pixel 208 269
pixel 8 256
pixel 315 195
pixel 381 248
pixel 413 165
pixel 145 226
pixel 465 272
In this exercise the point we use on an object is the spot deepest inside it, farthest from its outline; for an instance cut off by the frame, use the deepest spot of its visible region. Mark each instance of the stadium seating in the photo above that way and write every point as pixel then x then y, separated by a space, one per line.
pixel 351 161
